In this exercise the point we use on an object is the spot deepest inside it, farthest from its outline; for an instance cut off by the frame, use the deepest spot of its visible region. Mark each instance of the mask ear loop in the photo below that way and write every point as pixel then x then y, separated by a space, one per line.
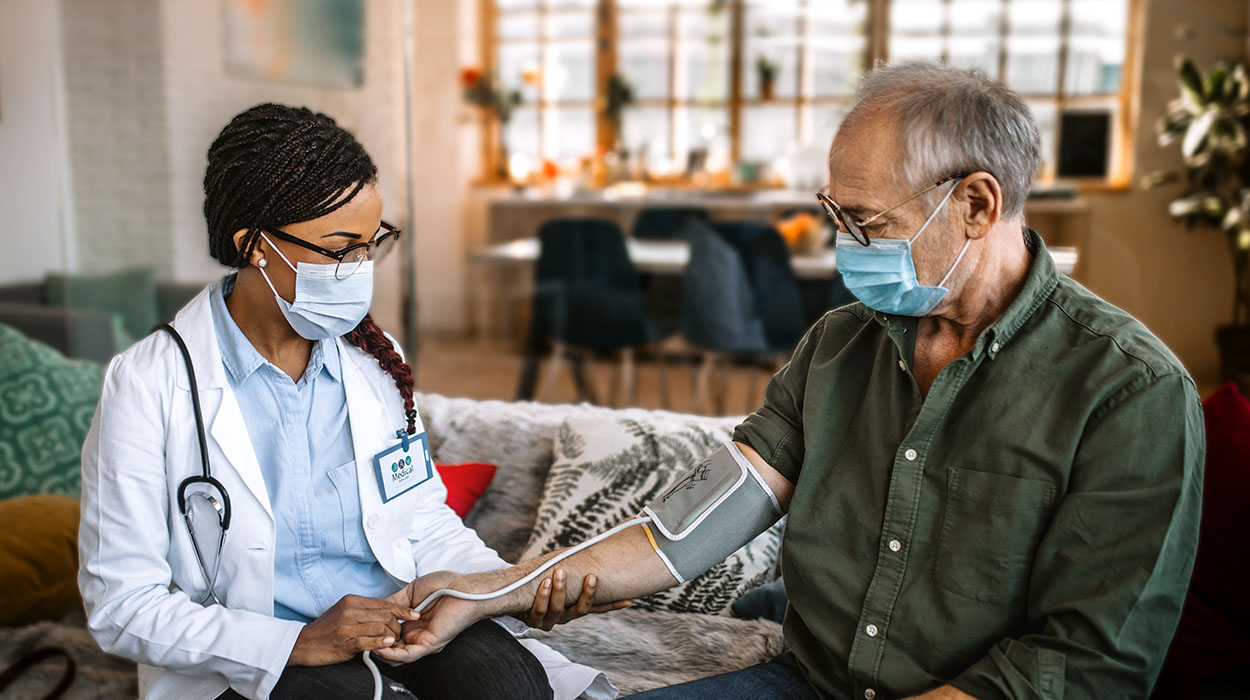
pixel 922 230
pixel 952 270
pixel 911 240
pixel 284 259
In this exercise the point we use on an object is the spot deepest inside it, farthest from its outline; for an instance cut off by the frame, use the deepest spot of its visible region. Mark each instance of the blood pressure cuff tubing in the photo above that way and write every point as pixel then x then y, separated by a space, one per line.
pixel 710 512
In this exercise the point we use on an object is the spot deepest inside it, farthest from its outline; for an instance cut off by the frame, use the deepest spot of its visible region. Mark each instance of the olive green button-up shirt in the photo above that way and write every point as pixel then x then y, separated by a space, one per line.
pixel 1027 530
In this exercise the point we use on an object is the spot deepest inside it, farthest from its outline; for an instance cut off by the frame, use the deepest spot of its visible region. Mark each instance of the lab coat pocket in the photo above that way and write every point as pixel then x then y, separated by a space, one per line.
pixel 991 526
pixel 347 485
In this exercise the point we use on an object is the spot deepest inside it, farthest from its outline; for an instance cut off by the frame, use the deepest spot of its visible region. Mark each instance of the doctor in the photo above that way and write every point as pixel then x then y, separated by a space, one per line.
pixel 323 500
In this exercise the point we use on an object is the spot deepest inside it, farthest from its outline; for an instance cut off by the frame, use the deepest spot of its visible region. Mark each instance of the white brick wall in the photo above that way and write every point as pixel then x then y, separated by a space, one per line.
pixel 115 115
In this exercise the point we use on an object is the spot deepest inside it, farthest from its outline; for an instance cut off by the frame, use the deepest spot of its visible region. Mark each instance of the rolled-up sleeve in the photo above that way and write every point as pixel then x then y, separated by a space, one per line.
pixel 1111 573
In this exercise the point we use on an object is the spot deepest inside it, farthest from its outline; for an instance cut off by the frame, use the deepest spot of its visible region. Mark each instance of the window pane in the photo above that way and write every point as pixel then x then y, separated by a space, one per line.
pixel 570 71
pixel 825 121
pixel 835 73
pixel 704 128
pixel 1096 47
pixel 569 134
pixel 570 25
pixel 645 66
pixel 916 18
pixel 976 53
pixel 1033 46
pixel 650 24
pixel 1033 65
pixel 514 25
pixel 703 55
pixel 1047 118
pixel 515 59
pixel 521 133
pixel 646 136
pixel 772 30
pixel 506 5
pixel 975 17
pixel 768 132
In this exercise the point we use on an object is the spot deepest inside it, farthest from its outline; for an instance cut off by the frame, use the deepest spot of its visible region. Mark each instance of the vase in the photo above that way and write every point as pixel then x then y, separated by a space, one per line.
pixel 767 89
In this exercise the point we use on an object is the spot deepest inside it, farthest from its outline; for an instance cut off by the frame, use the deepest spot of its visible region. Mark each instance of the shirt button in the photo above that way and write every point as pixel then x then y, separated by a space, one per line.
pixel 902 365
pixel 995 347
pixel 373 521
pixel 895 545
pixel 871 630
pixel 910 455
pixel 870 694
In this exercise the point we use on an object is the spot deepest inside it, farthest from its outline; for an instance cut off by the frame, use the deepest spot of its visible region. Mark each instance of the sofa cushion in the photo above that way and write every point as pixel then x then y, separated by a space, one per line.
pixel 130 295
pixel 607 468
pixel 46 404
pixel 38 559
pixel 465 484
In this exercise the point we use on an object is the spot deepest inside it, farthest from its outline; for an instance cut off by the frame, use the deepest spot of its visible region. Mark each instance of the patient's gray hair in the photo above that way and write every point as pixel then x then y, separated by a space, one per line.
pixel 953 121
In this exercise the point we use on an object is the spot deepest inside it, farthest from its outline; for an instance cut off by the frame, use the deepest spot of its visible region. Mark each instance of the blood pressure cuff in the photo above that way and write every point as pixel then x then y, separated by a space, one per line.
pixel 710 512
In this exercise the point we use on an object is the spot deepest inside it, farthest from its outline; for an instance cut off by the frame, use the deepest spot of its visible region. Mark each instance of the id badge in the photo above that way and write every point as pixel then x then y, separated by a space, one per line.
pixel 403 466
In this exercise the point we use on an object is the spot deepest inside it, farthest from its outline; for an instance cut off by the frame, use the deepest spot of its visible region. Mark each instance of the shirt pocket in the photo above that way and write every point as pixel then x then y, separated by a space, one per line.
pixel 348 488
pixel 991 526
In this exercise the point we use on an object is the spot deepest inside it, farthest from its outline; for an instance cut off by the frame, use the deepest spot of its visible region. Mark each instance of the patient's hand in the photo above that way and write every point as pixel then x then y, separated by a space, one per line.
pixel 549 608
pixel 440 623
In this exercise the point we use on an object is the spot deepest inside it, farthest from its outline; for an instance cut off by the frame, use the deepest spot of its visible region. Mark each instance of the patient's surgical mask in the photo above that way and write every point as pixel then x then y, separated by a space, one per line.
pixel 324 306
pixel 882 274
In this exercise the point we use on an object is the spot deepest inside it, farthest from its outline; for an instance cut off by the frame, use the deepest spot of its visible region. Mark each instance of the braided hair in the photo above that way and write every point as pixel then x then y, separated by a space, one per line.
pixel 275 165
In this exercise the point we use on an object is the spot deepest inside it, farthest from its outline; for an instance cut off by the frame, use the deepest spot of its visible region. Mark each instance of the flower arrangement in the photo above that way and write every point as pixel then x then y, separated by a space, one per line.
pixel 483 90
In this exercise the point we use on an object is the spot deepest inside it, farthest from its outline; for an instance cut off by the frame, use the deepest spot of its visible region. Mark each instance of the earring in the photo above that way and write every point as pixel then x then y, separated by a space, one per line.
pixel 261 263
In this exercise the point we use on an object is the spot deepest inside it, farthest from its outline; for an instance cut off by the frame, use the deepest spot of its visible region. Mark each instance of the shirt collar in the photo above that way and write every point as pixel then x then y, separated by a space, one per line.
pixel 242 359
pixel 1038 284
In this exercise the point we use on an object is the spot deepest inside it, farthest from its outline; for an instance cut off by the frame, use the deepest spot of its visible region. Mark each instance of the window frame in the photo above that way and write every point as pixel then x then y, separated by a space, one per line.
pixel 1124 124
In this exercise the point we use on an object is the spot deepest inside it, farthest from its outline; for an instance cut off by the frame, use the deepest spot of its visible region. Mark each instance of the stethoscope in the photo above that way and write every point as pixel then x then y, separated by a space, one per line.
pixel 199 499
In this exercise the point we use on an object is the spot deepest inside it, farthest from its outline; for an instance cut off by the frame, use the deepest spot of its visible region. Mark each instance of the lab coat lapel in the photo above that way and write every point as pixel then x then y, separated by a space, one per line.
pixel 195 324
pixel 373 428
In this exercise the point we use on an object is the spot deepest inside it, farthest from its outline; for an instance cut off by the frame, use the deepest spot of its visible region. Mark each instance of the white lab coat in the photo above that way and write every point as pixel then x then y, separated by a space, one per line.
pixel 138 573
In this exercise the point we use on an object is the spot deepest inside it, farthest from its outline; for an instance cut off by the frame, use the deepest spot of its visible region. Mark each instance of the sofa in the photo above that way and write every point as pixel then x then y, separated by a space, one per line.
pixel 80 327
pixel 640 648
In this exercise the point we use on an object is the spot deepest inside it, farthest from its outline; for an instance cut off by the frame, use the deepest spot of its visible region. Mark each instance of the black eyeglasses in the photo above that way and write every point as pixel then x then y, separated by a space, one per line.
pixel 349 259
pixel 854 226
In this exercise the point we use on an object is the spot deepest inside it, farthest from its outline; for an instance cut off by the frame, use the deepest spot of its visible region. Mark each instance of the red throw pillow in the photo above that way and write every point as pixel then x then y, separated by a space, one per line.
pixel 1212 642
pixel 465 484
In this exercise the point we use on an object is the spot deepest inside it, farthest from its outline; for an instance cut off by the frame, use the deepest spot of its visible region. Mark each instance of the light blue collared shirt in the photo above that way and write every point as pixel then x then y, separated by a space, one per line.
pixel 303 443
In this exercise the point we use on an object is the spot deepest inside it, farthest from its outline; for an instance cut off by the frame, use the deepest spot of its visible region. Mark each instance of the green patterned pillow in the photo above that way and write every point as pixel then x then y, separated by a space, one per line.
pixel 46 405
pixel 607 468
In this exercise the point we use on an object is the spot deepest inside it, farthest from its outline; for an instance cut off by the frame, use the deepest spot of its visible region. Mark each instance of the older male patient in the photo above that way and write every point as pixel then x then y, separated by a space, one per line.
pixel 992 476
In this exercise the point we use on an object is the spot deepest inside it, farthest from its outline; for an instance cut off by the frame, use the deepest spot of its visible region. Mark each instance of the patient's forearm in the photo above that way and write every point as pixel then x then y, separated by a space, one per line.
pixel 625 565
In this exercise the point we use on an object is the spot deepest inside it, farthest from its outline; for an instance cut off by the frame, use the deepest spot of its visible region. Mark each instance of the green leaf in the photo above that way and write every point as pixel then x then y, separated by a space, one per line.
pixel 1232 218
pixel 1195 146
pixel 1216 83
pixel 1190 83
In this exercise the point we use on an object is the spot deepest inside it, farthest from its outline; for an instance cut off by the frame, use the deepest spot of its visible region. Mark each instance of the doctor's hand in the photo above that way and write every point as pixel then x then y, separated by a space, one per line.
pixel 350 626
pixel 549 608
pixel 439 623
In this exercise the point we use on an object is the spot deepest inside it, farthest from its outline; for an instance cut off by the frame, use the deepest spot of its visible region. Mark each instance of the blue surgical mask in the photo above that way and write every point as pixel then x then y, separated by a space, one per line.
pixel 882 274
pixel 324 306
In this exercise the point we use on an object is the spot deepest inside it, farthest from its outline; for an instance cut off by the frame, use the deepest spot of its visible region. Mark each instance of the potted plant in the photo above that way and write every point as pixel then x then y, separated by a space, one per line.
pixel 484 91
pixel 1210 120
pixel 767 71
pixel 618 96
